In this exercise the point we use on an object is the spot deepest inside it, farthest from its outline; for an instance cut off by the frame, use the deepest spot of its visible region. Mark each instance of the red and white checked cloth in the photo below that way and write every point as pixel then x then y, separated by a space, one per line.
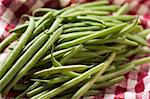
pixel 137 83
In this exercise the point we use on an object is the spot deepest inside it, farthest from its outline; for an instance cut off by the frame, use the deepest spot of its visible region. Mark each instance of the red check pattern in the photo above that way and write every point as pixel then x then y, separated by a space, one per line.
pixel 137 82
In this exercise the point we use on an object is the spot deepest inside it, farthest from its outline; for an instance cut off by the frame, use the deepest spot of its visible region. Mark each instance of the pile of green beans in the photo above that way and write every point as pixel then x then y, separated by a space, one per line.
pixel 72 52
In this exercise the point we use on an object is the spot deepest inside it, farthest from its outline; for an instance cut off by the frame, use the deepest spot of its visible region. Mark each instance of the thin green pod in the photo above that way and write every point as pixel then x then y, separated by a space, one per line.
pixel 90 83
pixel 22 61
pixel 57 54
pixel 12 37
pixel 20 28
pixel 78 29
pixel 109 8
pixel 137 39
pixel 108 83
pixel 123 10
pixel 74 35
pixel 34 59
pixel 43 11
pixel 87 12
pixel 144 33
pixel 33 86
pixel 49 84
pixel 101 33
pixel 15 53
pixel 72 82
pixel 44 25
pixel 62 69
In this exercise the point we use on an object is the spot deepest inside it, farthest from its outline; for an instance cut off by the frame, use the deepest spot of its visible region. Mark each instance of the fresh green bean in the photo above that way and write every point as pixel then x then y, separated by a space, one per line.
pixel 34 59
pixel 144 33
pixel 62 69
pixel 112 48
pixel 30 43
pixel 101 18
pixel 44 25
pixel 96 3
pixel 12 37
pixel 20 28
pixel 123 9
pixel 87 12
pixel 36 84
pixel 71 25
pixel 38 95
pixel 74 35
pixel 68 73
pixel 20 87
pixel 89 84
pixel 137 39
pixel 71 53
pixel 56 54
pixel 49 83
pixel 78 29
pixel 43 11
pixel 108 83
pixel 72 82
pixel 109 8
pixel 15 53
pixel 44 17
pixel 88 18
pixel 101 33
pixel 22 61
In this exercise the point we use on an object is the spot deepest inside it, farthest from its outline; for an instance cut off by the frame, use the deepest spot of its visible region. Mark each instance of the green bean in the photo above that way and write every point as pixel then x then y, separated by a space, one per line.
pixel 78 29
pixel 74 35
pixel 144 33
pixel 38 95
pixel 94 23
pixel 30 43
pixel 101 33
pixel 116 73
pixel 101 18
pixel 36 84
pixel 143 50
pixel 137 29
pixel 62 69
pixel 121 17
pixel 72 82
pixel 44 17
pixel 56 54
pixel 88 18
pixel 22 61
pixel 71 53
pixel 20 87
pixel 49 83
pixel 44 25
pixel 112 48
pixel 20 28
pixel 71 25
pixel 88 93
pixel 90 83
pixel 123 9
pixel 109 24
pixel 112 40
pixel 34 59
pixel 108 83
pixel 87 54
pixel 87 12
pixel 12 37
pixel 137 39
pixel 109 8
pixel 43 11
pixel 15 53
pixel 96 3
pixel 68 73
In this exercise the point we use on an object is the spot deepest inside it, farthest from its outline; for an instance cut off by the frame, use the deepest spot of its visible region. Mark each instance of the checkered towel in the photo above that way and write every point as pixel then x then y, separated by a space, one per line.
pixel 137 83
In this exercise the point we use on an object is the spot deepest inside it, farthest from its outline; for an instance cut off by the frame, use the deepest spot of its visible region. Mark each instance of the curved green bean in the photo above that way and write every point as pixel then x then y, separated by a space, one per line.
pixel 15 53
